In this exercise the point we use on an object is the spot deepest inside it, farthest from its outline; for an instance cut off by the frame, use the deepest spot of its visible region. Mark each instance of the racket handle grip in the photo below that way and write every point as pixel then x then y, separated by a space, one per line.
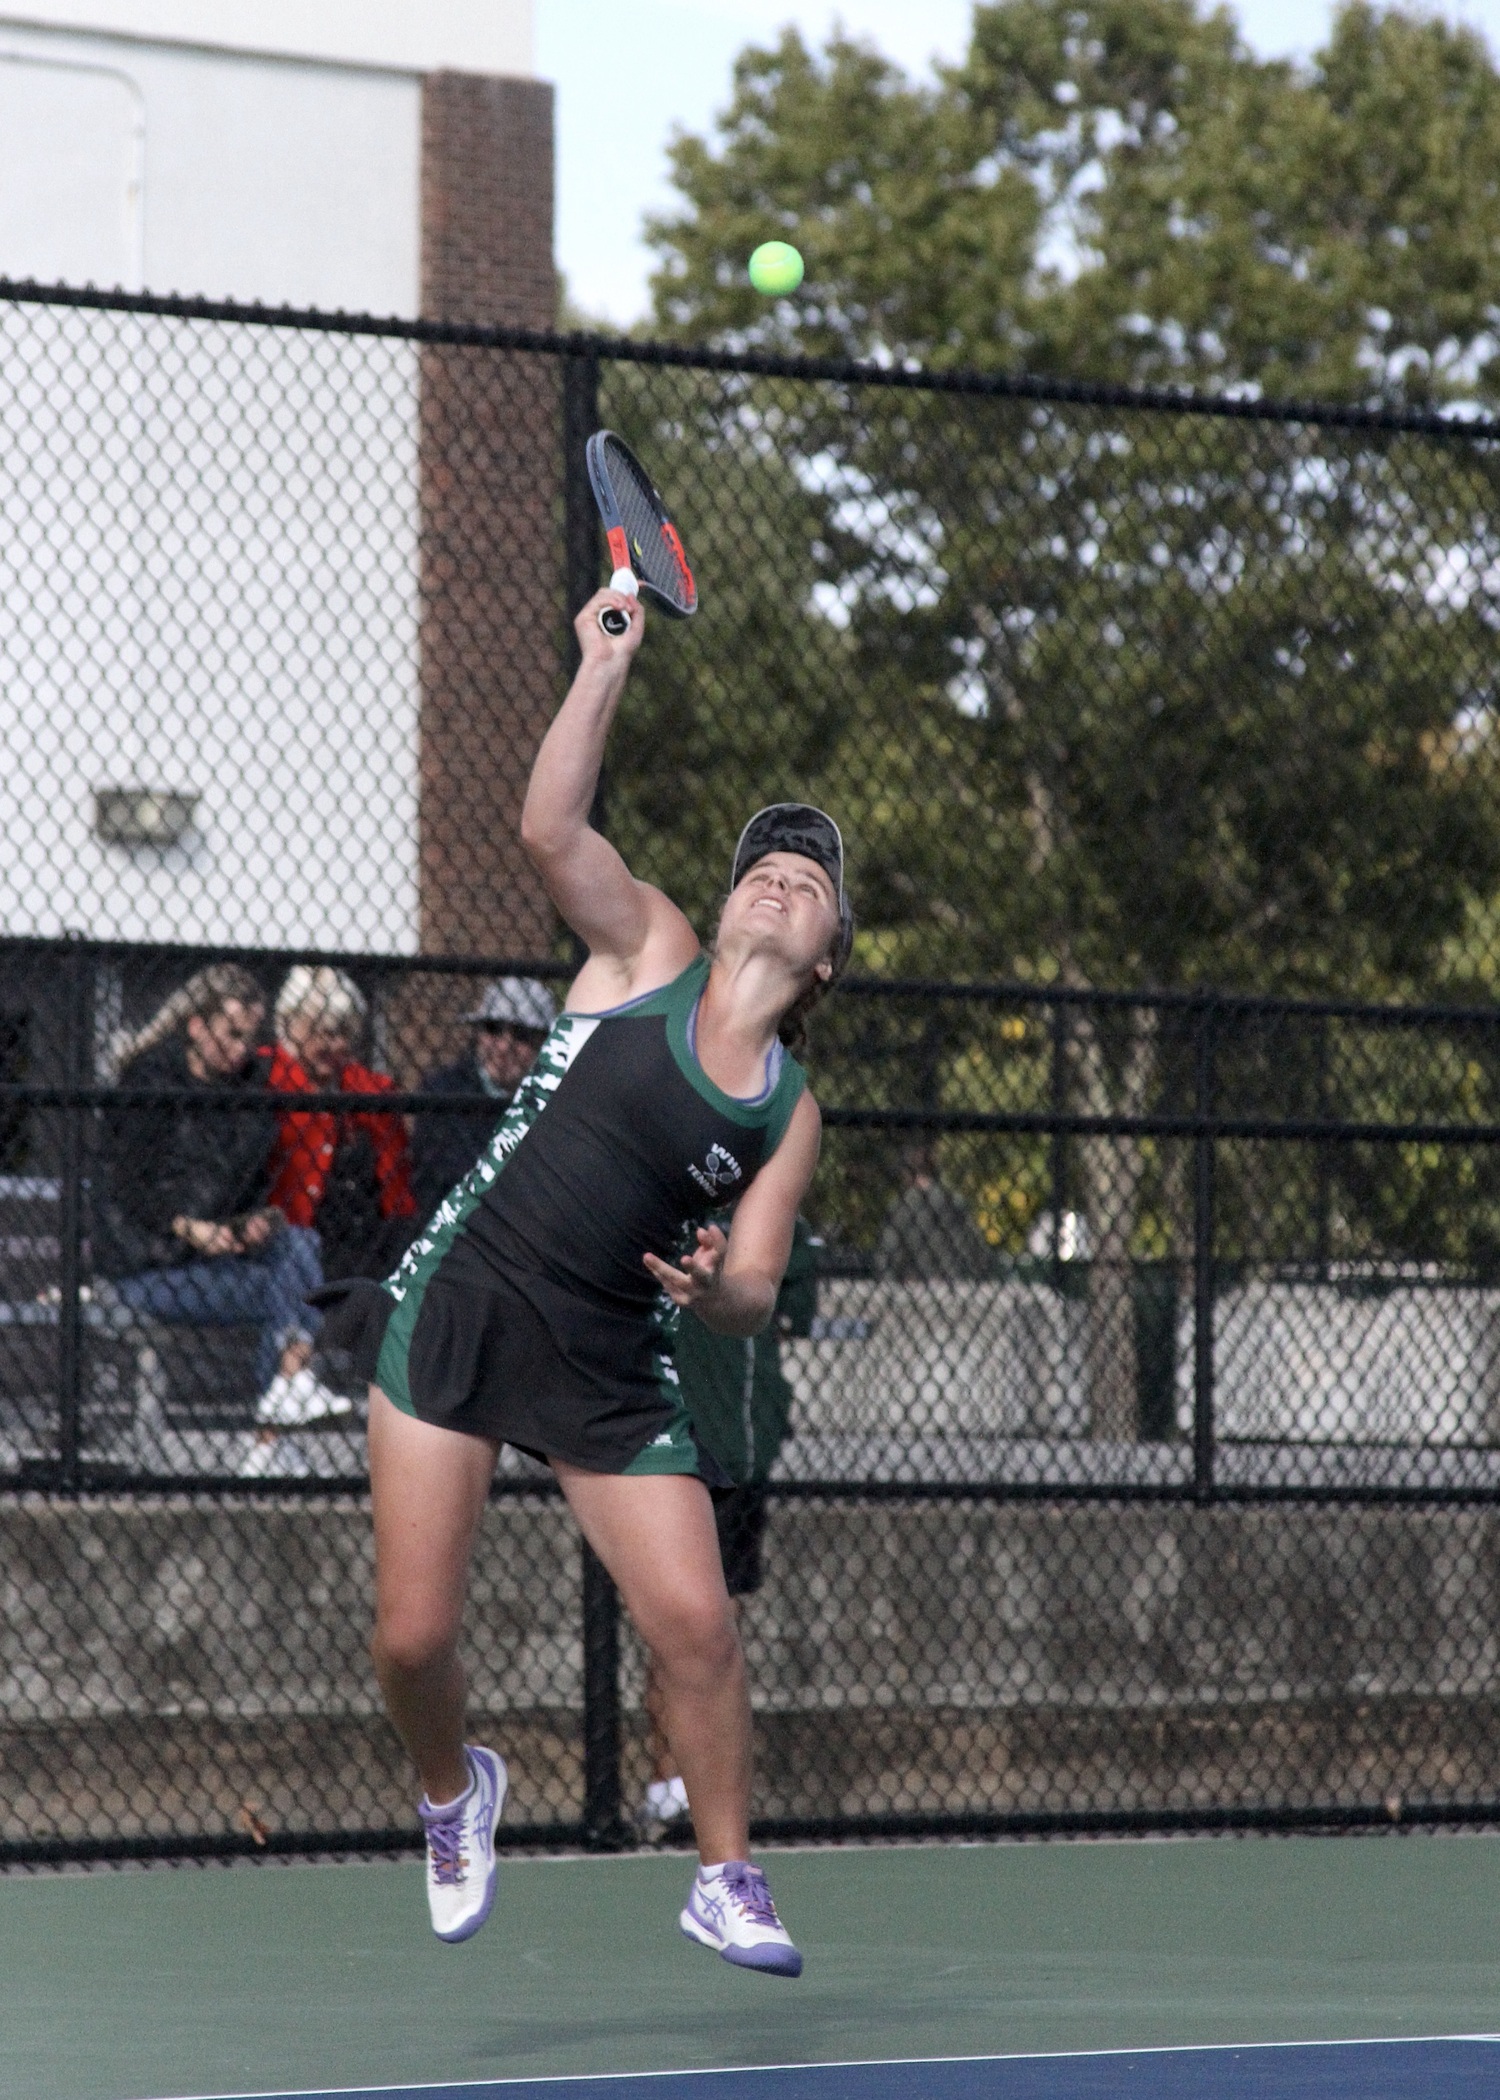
pixel 611 619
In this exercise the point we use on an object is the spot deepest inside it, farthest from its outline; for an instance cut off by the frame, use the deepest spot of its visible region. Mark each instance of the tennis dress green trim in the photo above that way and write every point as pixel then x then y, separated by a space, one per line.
pixel 525 1312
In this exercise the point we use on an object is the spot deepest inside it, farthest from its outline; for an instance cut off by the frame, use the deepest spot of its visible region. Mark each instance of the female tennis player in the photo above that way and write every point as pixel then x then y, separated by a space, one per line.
pixel 537 1308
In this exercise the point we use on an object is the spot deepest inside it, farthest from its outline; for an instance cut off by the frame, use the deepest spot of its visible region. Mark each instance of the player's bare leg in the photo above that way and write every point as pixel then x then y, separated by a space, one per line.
pixel 428 1488
pixel 666 1796
pixel 656 1536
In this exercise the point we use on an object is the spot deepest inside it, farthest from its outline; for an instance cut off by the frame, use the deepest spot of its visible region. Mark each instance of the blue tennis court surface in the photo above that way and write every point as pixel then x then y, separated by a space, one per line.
pixel 1408 2070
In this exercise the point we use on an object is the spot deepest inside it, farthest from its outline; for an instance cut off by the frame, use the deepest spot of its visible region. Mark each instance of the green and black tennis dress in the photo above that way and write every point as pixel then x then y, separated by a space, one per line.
pixel 524 1312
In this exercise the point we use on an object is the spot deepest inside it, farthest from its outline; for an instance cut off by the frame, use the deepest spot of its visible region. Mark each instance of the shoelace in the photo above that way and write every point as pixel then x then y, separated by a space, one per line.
pixel 747 1885
pixel 445 1845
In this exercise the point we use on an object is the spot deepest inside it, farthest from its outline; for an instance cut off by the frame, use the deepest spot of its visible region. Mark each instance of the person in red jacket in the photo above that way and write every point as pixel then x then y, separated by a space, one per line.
pixel 347 1175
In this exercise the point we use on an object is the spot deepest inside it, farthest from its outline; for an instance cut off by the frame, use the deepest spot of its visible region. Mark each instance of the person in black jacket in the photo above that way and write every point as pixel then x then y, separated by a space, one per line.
pixel 509 1024
pixel 929 1235
pixel 181 1228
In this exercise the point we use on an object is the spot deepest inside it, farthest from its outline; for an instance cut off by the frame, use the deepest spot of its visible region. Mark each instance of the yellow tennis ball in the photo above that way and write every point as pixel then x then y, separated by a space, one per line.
pixel 775 268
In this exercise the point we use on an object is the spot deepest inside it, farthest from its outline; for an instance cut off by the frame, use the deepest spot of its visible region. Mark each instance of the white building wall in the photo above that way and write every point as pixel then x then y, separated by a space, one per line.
pixel 232 175
pixel 417 36
pixel 208 576
pixel 208 562
pixel 72 172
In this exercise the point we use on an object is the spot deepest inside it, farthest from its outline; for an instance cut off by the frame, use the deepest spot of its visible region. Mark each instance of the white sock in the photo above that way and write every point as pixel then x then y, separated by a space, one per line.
pixel 444 1808
pixel 708 1874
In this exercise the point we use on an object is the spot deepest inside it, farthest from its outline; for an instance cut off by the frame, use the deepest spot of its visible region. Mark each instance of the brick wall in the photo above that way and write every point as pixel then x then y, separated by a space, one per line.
pixel 487 201
pixel 492 628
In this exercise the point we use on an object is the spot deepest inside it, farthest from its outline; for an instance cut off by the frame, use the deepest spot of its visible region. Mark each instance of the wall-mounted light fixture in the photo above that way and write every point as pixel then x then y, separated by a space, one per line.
pixel 137 816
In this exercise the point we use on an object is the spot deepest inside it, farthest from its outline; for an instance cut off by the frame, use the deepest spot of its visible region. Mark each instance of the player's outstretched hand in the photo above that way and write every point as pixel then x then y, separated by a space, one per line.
pixel 602 648
pixel 696 1276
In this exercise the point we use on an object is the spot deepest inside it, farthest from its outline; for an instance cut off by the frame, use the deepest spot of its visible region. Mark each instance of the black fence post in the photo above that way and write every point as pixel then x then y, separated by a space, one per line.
pixel 1203 1258
pixel 580 514
pixel 603 1822
pixel 76 1075
pixel 580 518
pixel 604 1828
pixel 1057 1144
pixel 1323 1164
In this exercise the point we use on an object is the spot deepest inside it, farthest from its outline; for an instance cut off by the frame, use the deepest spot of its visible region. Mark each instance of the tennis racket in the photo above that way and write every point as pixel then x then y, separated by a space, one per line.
pixel 644 545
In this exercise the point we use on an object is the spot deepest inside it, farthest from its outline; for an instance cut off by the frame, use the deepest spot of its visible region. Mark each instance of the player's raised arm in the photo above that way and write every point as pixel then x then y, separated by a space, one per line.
pixel 631 930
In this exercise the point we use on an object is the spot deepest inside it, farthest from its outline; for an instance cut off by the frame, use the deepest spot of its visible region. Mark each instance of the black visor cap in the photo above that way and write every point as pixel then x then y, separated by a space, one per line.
pixel 791 827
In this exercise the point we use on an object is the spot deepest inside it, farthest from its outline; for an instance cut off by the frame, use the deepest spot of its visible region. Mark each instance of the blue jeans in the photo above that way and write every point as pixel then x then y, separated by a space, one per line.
pixel 266 1290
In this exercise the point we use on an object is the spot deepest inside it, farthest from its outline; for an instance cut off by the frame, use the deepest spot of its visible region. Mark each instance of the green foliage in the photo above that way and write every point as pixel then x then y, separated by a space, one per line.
pixel 1117 189
pixel 1105 697
pixel 1125 699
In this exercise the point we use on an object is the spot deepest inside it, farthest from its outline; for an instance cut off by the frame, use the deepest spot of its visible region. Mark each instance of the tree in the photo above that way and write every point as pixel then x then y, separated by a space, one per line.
pixel 1107 697
pixel 1120 190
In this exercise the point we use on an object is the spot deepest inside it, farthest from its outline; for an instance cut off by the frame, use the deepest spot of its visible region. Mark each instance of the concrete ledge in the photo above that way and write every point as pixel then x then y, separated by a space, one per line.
pixel 183 1665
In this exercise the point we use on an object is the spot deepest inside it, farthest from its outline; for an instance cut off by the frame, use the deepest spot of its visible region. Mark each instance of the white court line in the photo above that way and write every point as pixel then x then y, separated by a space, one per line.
pixel 853 2063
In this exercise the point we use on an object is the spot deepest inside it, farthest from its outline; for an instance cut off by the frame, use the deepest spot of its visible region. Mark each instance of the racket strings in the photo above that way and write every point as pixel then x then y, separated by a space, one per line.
pixel 654 556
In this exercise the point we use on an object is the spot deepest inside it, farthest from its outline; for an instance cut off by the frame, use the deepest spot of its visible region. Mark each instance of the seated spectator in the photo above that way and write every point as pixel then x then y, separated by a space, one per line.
pixel 345 1173
pixel 510 1024
pixel 928 1235
pixel 182 1226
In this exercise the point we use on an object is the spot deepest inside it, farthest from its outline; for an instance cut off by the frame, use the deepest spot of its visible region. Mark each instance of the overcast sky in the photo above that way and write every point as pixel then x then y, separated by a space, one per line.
pixel 626 77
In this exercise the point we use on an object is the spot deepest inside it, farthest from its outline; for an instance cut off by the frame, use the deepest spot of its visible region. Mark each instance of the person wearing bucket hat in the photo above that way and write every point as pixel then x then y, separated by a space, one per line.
pixel 510 1020
pixel 540 1306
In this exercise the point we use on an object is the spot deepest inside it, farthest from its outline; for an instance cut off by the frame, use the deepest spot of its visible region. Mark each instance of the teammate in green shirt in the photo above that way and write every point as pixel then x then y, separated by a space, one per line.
pixel 738 1399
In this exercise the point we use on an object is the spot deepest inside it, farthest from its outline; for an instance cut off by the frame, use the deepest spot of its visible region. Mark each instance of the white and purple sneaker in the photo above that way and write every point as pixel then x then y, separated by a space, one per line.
pixel 729 1908
pixel 461 1867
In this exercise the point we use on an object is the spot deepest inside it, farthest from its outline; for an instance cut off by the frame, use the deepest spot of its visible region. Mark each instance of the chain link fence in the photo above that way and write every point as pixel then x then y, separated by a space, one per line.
pixel 1135 1445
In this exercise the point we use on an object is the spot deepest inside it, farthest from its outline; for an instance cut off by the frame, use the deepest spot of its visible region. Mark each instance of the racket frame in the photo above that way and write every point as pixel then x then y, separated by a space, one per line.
pixel 623 577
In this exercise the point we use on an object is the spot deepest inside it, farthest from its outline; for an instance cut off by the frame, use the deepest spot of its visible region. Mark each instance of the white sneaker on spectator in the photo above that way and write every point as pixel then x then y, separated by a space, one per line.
pixel 274 1458
pixel 666 1803
pixel 294 1399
